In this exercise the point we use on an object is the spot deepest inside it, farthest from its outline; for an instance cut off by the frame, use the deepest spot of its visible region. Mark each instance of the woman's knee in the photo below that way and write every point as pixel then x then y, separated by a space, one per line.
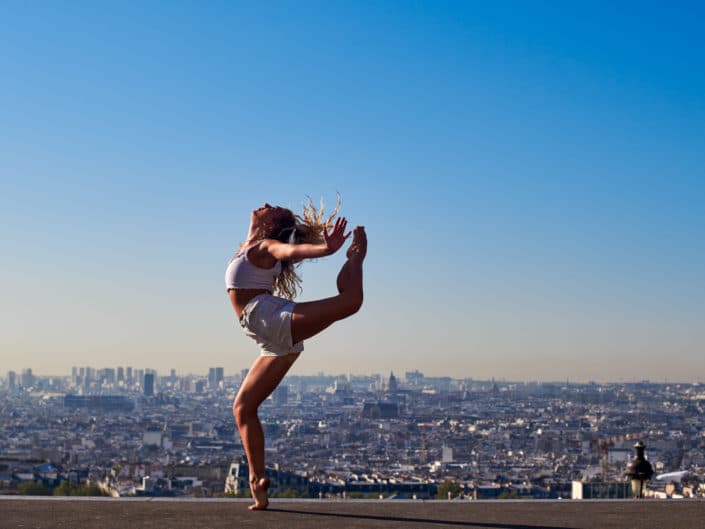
pixel 243 410
pixel 353 302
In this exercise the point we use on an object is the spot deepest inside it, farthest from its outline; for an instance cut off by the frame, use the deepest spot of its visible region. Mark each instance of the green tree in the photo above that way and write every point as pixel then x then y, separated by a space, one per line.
pixel 67 488
pixel 30 488
pixel 288 493
pixel 92 490
pixel 241 494
pixel 355 495
pixel 448 486
pixel 509 495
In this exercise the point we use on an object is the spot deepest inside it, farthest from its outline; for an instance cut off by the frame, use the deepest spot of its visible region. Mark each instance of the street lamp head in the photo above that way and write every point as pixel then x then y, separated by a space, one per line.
pixel 639 470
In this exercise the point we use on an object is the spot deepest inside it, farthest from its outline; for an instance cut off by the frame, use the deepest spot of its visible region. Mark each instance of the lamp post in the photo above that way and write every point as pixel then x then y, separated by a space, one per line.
pixel 639 471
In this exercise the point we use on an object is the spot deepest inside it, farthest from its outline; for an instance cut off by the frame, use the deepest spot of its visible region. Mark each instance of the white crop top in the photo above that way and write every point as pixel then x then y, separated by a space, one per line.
pixel 241 273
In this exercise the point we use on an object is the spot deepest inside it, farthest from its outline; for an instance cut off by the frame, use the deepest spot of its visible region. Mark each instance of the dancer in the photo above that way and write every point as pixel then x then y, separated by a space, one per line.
pixel 277 241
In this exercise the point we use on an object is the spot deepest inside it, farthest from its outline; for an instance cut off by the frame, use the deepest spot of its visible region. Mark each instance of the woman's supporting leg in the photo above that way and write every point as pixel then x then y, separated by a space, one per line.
pixel 264 376
pixel 310 318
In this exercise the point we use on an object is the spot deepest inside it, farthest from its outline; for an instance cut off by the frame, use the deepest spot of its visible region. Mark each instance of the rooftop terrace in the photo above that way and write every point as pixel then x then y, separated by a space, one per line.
pixel 111 513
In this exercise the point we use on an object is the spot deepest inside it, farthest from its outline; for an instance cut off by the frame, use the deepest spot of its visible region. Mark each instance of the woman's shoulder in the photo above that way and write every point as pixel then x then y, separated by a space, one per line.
pixel 247 246
pixel 258 253
pixel 266 244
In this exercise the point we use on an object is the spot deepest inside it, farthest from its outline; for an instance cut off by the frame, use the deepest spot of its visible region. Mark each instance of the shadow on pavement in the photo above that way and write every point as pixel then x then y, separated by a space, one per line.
pixel 492 525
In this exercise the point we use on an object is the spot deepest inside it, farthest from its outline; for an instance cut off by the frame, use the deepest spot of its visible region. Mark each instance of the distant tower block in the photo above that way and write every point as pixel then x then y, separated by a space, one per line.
pixel 215 377
pixel 27 378
pixel 149 384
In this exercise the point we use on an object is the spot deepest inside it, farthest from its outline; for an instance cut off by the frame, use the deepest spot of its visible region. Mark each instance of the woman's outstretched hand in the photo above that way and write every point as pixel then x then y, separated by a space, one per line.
pixel 335 239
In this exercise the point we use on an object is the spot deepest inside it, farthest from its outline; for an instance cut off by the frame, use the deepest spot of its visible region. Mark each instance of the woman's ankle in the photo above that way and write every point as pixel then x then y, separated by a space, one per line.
pixel 259 480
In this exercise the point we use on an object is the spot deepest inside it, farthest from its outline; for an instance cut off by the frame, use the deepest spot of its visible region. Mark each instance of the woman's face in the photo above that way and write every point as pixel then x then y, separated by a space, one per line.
pixel 261 211
pixel 268 215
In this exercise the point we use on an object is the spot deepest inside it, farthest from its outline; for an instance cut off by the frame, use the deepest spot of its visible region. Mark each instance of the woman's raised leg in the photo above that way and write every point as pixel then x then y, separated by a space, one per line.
pixel 263 377
pixel 311 317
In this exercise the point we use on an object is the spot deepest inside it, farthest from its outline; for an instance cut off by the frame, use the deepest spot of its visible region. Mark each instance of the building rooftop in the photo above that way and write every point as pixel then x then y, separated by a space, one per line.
pixel 114 513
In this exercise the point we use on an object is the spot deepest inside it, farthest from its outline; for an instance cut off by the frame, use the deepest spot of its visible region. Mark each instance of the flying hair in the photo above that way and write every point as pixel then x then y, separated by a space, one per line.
pixel 310 224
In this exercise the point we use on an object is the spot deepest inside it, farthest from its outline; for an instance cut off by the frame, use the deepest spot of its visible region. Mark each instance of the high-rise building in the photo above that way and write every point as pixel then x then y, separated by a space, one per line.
pixel 215 377
pixel 90 372
pixel 27 378
pixel 87 378
pixel 120 374
pixel 128 375
pixel 11 380
pixel 148 384
pixel 106 376
pixel 172 377
pixel 414 378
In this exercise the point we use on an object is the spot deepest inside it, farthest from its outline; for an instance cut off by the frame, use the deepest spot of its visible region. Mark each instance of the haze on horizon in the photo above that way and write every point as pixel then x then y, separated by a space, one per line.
pixel 530 177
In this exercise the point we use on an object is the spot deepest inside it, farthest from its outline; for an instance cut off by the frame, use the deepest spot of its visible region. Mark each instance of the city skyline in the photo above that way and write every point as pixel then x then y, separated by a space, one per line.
pixel 529 177
pixel 136 372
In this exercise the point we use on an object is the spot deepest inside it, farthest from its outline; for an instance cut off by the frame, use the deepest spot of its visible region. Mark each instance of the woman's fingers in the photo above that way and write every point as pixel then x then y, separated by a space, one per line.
pixel 337 235
pixel 339 226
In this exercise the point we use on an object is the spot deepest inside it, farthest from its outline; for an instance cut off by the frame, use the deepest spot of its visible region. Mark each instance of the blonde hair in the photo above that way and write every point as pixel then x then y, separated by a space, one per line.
pixel 306 228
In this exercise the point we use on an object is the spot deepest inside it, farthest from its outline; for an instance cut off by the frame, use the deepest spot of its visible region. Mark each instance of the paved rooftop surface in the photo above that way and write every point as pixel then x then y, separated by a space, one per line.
pixel 133 513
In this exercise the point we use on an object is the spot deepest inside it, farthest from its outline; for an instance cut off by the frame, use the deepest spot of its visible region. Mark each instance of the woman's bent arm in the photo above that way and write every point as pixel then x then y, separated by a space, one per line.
pixel 295 252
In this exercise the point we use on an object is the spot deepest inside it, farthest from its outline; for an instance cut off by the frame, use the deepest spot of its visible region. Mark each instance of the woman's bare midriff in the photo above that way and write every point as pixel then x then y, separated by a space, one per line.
pixel 240 297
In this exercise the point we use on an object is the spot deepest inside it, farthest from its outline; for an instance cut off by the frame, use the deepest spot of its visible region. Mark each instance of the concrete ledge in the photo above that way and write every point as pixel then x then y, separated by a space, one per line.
pixel 163 513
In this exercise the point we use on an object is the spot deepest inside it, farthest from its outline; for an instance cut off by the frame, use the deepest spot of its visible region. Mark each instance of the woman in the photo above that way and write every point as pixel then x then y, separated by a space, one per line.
pixel 277 240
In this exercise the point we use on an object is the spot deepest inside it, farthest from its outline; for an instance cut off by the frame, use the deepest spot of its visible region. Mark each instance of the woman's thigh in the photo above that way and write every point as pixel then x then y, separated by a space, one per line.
pixel 311 317
pixel 263 377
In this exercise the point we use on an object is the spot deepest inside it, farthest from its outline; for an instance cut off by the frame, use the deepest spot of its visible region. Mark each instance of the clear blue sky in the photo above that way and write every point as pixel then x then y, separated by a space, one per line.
pixel 531 176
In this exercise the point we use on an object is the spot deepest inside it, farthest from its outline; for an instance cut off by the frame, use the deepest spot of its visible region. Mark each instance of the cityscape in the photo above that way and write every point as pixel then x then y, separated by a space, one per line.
pixel 134 432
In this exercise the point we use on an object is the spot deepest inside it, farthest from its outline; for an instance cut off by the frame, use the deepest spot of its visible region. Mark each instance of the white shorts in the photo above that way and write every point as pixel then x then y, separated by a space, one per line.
pixel 267 320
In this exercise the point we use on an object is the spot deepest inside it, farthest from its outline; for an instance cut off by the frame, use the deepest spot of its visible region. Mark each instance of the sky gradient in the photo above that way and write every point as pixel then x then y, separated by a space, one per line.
pixel 531 177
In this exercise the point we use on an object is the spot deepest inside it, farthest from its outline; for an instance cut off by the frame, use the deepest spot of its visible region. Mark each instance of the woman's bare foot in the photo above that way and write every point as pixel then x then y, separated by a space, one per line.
pixel 258 488
pixel 351 273
pixel 358 248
